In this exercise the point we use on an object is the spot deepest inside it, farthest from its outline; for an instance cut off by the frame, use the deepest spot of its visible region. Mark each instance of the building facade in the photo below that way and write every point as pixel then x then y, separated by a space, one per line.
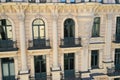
pixel 59 40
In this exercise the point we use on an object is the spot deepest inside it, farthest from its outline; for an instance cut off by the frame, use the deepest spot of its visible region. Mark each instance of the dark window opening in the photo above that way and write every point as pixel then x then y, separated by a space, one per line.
pixel 94 59
pixel 69 28
pixel 96 27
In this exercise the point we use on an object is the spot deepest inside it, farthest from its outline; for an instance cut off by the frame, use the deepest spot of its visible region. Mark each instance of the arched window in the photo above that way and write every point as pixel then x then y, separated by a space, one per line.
pixel 96 27
pixel 5 29
pixel 69 28
pixel 38 29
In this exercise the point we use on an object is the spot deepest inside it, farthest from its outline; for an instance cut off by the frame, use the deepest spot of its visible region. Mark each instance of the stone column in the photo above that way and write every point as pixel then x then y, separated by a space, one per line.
pixel 48 64
pixel 108 40
pixel 24 68
pixel 76 64
pixel 16 66
pixel 55 68
pixel 0 70
pixel 89 59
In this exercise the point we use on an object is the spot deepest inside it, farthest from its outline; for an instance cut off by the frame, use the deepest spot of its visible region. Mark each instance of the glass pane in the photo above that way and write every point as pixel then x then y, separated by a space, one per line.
pixel 69 28
pixel 35 32
pixel 43 66
pixel 71 63
pixel 12 70
pixel 3 34
pixel 42 32
pixel 37 66
pixel 72 1
pixel 5 69
pixel 63 1
pixel 65 64
pixel 9 32
pixel 38 22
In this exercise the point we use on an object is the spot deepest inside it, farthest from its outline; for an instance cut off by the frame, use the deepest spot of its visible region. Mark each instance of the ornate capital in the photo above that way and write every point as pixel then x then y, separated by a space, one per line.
pixel 21 16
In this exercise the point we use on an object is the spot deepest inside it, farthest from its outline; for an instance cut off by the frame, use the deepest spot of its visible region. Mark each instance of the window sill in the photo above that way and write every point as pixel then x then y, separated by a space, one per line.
pixel 96 40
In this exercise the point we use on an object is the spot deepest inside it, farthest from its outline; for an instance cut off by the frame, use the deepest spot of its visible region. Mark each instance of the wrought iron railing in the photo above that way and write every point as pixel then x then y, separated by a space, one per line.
pixel 113 71
pixel 48 77
pixel 39 44
pixel 8 45
pixel 70 42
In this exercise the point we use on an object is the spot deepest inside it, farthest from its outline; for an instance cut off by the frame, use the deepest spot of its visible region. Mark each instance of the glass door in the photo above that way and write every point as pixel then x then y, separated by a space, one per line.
pixel 69 66
pixel 8 69
pixel 40 67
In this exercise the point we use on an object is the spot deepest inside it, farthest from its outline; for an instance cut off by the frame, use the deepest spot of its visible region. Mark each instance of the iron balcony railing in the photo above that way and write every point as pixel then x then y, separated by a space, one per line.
pixel 39 44
pixel 70 42
pixel 48 77
pixel 8 45
pixel 113 71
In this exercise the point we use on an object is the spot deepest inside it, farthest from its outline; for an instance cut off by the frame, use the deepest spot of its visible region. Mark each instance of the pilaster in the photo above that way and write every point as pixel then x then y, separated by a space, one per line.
pixel 101 58
pixel 55 69
pixel 108 40
pixel 24 69
pixel 16 66
pixel 21 18
pixel 48 64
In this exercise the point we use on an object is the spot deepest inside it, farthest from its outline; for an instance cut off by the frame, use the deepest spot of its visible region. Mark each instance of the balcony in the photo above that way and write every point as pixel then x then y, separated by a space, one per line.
pixel 8 45
pixel 70 42
pixel 39 44
pixel 113 71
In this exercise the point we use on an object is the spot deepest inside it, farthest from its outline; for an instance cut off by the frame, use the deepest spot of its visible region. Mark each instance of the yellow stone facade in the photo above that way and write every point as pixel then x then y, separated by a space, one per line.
pixel 83 14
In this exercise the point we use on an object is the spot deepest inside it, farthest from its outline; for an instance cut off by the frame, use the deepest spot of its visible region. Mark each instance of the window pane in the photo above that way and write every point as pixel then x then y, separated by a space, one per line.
pixel 63 0
pixel 12 70
pixel 35 32
pixel 5 69
pixel 42 32
pixel 72 1
pixel 65 64
pixel 43 66
pixel 9 32
pixel 96 27
pixel 71 64
pixel 37 67
pixel 69 28
pixel 94 58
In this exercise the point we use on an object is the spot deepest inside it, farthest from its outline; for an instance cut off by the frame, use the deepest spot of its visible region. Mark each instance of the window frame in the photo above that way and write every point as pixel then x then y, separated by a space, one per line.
pixel 70 30
pixel 38 25
pixel 4 26
pixel 96 33
pixel 94 64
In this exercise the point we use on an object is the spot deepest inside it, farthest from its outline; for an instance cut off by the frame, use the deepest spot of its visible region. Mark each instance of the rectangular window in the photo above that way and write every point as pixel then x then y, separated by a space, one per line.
pixel 94 59
pixel 96 27
pixel 117 29
pixel 63 1
pixel 117 1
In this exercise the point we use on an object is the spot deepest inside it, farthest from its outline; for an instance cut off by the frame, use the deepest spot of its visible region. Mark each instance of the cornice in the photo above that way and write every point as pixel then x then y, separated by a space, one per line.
pixel 81 8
